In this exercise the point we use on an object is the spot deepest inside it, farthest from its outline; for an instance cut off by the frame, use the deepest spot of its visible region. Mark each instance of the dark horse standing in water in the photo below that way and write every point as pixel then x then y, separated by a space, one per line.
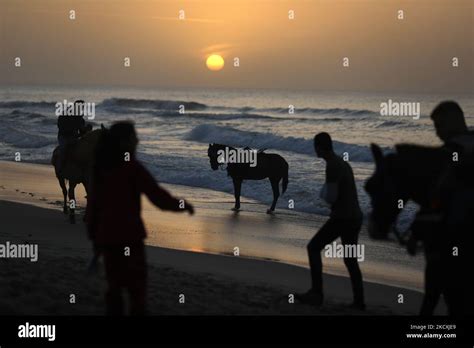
pixel 76 169
pixel 417 173
pixel 268 165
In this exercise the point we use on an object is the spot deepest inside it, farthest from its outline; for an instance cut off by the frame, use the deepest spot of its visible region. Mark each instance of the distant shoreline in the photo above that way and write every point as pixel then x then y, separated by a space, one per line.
pixel 214 230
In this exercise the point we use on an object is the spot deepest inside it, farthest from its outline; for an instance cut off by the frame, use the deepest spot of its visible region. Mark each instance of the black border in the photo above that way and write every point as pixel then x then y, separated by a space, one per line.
pixel 235 330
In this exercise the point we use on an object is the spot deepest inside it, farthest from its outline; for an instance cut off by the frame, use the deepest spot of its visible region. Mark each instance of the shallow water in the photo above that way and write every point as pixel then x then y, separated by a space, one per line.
pixel 174 147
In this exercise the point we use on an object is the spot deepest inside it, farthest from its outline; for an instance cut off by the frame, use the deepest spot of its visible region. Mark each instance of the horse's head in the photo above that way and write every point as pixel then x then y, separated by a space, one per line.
pixel 413 172
pixel 385 195
pixel 212 152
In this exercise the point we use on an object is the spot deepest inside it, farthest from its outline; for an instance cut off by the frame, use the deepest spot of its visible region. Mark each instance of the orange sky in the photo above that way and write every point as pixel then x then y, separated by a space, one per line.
pixel 386 54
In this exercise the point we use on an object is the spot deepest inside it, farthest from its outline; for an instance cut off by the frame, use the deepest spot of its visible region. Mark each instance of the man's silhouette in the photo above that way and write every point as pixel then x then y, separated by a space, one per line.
pixel 345 221
pixel 113 216
pixel 69 130
pixel 448 224
pixel 449 121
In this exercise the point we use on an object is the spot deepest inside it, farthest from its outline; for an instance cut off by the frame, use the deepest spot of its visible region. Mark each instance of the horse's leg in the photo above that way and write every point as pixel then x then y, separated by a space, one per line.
pixel 62 183
pixel 72 202
pixel 237 187
pixel 276 193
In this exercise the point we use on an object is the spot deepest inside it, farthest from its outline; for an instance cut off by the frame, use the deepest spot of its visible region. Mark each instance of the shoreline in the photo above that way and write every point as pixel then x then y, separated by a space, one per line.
pixel 218 231
pixel 213 284
pixel 30 189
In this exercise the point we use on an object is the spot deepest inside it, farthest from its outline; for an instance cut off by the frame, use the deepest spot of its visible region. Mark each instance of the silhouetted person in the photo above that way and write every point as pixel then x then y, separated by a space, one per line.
pixel 449 121
pixel 345 221
pixel 69 130
pixel 448 224
pixel 113 216
pixel 451 128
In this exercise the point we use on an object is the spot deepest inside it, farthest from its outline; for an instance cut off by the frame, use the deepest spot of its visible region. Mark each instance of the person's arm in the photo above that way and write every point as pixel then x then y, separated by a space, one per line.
pixel 159 196
pixel 330 189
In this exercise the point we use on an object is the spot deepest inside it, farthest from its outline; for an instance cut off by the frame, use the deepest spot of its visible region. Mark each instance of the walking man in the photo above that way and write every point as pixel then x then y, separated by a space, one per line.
pixel 345 222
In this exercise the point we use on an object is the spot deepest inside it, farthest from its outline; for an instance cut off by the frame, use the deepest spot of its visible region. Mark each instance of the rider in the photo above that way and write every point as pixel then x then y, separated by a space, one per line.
pixel 70 128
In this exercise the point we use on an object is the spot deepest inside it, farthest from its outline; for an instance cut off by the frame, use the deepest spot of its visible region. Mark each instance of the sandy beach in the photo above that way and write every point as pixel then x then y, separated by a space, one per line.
pixel 211 283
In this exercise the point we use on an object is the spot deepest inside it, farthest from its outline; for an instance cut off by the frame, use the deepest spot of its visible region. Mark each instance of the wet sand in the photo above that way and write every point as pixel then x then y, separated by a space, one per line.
pixel 212 284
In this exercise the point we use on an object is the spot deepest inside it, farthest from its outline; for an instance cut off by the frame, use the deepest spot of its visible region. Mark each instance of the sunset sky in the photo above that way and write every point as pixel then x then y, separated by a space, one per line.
pixel 385 54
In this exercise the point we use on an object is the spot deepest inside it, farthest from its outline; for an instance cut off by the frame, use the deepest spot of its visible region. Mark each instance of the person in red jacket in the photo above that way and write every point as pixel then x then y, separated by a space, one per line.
pixel 113 215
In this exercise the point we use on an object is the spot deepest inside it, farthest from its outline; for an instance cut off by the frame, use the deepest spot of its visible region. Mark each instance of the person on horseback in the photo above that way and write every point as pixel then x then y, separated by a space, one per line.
pixel 345 221
pixel 70 128
pixel 113 216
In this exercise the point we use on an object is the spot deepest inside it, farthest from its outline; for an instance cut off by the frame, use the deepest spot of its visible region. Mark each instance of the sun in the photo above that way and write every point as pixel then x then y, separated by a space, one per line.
pixel 215 62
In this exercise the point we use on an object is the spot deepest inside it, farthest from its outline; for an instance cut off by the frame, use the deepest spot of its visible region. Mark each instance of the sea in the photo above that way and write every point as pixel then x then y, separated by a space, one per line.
pixel 174 144
pixel 176 125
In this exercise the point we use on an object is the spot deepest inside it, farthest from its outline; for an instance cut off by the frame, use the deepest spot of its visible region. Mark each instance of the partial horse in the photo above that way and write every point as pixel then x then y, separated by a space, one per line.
pixel 416 173
pixel 271 166
pixel 76 168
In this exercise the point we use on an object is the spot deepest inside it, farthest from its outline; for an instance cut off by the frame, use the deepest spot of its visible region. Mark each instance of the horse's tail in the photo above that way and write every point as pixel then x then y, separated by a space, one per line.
pixel 284 184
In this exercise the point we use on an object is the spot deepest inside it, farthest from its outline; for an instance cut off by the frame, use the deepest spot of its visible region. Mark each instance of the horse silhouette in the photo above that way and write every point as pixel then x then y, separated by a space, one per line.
pixel 268 165
pixel 76 168
pixel 415 173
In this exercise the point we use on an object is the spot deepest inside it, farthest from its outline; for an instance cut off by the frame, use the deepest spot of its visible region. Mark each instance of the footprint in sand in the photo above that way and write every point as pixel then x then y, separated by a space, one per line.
pixel 43 199
pixel 2 187
pixel 17 190
pixel 31 194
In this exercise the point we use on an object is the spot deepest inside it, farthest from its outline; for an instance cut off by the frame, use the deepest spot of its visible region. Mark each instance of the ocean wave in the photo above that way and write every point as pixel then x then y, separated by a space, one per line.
pixel 208 133
pixel 171 107
pixel 29 118
pixel 397 124
pixel 23 104
pixel 247 116
pixel 23 139
pixel 328 111
pixel 219 116
pixel 26 114
pixel 154 104
pixel 310 111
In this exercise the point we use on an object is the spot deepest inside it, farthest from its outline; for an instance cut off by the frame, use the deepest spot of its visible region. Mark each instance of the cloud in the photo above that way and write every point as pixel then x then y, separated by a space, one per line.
pixel 194 20
pixel 218 48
